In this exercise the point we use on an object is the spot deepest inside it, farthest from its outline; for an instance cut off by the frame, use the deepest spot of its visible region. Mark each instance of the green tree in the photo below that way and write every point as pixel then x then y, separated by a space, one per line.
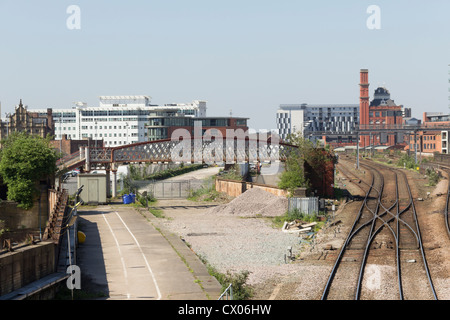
pixel 24 160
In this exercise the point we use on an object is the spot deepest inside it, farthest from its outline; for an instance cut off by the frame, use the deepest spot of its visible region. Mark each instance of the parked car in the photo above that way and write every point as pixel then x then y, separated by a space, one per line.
pixel 73 173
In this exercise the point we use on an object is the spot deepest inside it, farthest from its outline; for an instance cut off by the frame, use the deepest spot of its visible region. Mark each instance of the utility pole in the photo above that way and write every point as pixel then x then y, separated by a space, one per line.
pixel 415 146
pixel 357 150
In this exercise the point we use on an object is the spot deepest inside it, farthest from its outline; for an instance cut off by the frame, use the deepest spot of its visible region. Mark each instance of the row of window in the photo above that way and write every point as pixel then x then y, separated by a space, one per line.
pixel 108 127
pixel 111 119
pixel 110 135
pixel 101 113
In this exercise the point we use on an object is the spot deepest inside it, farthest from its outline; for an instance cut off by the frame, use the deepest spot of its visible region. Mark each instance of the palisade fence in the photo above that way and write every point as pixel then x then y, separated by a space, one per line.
pixel 171 189
pixel 309 206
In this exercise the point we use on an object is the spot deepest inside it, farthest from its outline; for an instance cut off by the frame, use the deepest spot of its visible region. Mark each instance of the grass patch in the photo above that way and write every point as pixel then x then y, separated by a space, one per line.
pixel 158 213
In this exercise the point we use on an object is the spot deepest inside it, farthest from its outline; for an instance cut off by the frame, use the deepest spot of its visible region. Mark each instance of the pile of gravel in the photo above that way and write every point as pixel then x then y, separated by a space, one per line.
pixel 254 202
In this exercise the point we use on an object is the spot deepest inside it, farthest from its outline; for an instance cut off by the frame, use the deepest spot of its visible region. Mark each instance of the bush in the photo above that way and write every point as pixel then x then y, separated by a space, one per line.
pixel 433 177
pixel 406 161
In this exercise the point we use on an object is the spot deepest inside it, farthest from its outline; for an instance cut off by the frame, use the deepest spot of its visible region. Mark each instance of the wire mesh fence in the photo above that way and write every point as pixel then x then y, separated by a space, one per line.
pixel 171 189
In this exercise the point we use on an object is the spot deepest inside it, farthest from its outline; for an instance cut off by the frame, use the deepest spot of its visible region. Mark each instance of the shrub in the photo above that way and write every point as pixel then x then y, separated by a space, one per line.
pixel 433 177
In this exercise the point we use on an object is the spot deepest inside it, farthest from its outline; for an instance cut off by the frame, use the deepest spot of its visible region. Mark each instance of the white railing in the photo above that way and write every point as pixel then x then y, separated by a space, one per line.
pixel 227 294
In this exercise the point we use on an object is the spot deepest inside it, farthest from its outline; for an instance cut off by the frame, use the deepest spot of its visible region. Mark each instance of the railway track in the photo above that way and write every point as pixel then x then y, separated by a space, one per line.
pixel 385 229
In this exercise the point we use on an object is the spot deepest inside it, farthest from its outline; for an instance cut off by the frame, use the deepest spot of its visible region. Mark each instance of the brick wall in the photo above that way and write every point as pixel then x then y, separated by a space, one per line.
pixel 235 188
pixel 25 265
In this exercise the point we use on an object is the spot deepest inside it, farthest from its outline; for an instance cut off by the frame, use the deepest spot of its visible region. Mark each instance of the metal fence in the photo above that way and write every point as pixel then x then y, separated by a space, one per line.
pixel 171 189
pixel 227 294
pixel 309 206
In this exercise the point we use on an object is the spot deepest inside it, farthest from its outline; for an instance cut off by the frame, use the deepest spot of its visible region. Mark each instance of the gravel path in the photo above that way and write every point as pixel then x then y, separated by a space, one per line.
pixel 239 236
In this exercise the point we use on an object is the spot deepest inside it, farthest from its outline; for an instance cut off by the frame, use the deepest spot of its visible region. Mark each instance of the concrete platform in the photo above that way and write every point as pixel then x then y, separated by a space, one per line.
pixel 128 255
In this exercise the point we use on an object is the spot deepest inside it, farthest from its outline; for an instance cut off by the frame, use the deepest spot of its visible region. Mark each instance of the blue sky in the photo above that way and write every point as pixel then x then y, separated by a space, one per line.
pixel 246 56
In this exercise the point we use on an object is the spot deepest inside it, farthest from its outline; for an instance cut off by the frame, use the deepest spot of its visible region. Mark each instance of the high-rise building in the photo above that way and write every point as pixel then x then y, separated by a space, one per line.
pixel 307 119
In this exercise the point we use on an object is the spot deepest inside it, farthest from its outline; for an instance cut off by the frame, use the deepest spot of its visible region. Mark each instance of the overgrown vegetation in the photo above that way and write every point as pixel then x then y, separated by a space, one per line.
pixel 307 153
pixel 207 192
pixel 406 161
pixel 231 174
pixel 238 281
pixel 433 177
pixel 24 160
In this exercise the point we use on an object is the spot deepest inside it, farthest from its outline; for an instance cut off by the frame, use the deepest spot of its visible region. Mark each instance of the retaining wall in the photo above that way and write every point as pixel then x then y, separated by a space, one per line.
pixel 235 188
pixel 25 265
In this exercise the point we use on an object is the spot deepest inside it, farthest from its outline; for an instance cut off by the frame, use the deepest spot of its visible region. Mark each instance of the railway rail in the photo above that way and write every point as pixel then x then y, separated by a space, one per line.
pixel 386 212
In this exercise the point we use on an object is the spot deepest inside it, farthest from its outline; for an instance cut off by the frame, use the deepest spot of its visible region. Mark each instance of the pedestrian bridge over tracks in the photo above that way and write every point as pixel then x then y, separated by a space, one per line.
pixel 192 150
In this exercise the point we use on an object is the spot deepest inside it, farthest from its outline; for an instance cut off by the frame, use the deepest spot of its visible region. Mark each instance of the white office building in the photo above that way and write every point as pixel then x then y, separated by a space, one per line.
pixel 307 119
pixel 118 120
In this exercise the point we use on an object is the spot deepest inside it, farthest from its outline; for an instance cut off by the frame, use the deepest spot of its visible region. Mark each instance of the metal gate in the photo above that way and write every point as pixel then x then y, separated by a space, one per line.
pixel 169 189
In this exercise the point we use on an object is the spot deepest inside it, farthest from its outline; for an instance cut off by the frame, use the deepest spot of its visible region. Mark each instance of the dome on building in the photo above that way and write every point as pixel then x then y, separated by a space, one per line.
pixel 382 97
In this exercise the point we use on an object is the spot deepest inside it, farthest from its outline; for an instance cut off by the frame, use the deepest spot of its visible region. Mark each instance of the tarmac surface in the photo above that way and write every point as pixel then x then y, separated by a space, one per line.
pixel 128 255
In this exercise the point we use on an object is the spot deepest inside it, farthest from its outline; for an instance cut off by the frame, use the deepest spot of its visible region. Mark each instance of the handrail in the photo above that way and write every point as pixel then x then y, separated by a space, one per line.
pixel 228 297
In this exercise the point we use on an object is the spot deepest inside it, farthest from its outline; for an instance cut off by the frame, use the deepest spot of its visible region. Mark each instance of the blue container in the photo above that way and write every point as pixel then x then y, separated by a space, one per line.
pixel 126 199
pixel 133 197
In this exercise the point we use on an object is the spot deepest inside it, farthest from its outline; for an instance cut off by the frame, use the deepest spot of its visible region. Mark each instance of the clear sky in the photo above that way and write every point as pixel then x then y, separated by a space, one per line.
pixel 248 56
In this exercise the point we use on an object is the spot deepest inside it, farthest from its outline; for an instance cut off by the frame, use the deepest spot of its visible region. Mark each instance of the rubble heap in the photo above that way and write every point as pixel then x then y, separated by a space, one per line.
pixel 254 202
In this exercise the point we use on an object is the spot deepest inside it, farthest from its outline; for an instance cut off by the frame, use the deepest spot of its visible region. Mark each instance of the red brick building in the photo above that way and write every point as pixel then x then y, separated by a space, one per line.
pixel 382 110
pixel 68 146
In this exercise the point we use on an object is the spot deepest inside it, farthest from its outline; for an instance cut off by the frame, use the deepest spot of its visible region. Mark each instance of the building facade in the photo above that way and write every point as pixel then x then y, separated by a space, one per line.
pixel 307 119
pixel 164 127
pixel 22 120
pixel 382 110
pixel 118 120
pixel 437 140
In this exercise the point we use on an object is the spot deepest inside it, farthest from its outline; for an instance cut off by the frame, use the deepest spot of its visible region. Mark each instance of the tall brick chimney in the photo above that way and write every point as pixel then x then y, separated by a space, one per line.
pixel 364 104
